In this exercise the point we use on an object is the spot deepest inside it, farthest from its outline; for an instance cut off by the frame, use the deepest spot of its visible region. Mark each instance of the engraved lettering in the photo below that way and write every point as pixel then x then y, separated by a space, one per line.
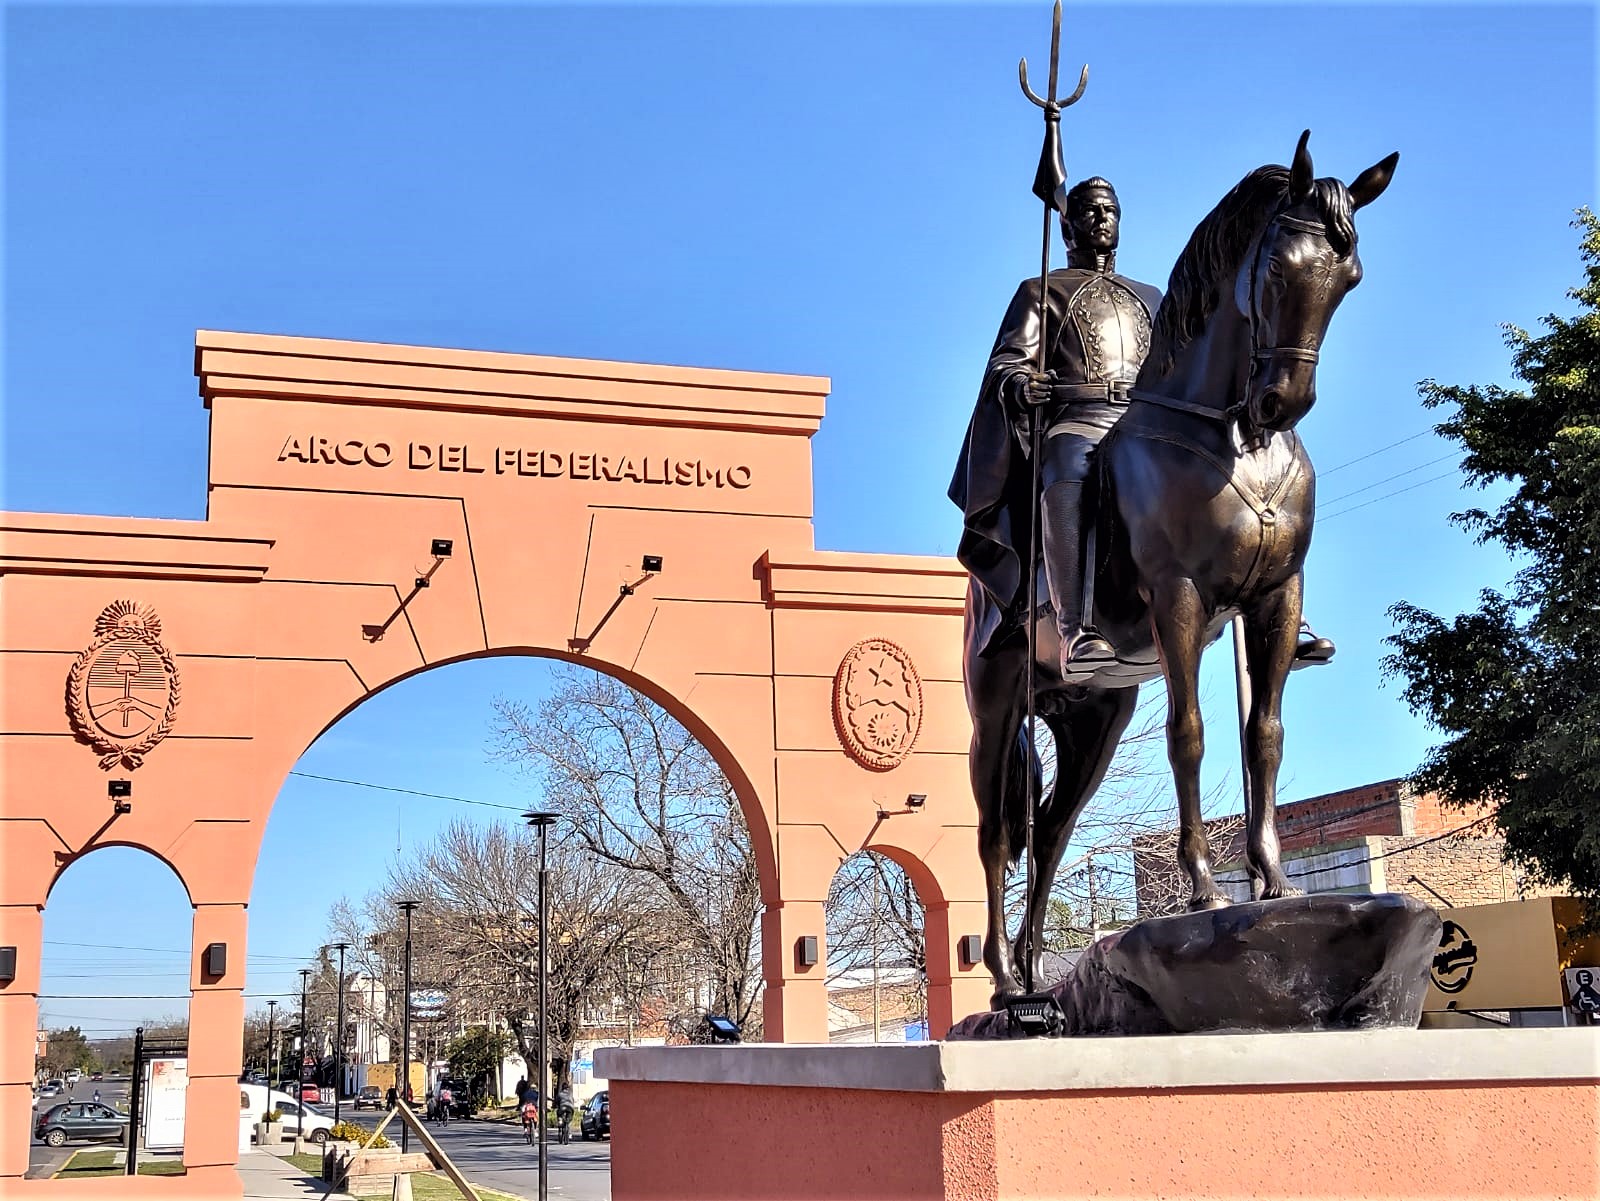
pixel 380 454
pixel 554 463
pixel 452 458
pixel 582 466
pixel 421 455
pixel 349 452
pixel 293 448
pixel 739 477
pixel 322 449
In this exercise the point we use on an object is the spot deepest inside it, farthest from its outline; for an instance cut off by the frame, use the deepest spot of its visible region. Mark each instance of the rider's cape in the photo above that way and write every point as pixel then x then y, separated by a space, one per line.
pixel 992 484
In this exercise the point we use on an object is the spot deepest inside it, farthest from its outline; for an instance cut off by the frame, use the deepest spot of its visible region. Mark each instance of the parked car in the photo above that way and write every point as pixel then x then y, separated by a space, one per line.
pixel 298 1117
pixel 370 1097
pixel 596 1119
pixel 53 1088
pixel 80 1120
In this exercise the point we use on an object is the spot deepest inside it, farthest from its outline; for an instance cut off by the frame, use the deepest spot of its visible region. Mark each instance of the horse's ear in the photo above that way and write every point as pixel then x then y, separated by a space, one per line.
pixel 1301 174
pixel 1369 185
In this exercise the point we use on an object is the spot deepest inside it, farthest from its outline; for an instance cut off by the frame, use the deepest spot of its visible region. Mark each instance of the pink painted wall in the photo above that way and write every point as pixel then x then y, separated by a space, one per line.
pixel 677 1141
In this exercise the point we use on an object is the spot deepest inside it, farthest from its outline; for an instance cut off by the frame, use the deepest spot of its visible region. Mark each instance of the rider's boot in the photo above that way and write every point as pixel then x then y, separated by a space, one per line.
pixel 1082 647
pixel 1312 649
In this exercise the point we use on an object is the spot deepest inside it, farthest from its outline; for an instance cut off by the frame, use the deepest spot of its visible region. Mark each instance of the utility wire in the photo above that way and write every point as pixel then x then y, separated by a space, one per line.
pixel 1397 475
pixel 437 796
pixel 1409 488
pixel 1374 453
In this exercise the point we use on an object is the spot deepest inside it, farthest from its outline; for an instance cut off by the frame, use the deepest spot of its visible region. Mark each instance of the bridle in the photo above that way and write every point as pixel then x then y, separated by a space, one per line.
pixel 1237 414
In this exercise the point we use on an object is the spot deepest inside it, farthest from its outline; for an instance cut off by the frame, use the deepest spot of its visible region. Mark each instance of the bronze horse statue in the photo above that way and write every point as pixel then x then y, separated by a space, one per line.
pixel 1204 512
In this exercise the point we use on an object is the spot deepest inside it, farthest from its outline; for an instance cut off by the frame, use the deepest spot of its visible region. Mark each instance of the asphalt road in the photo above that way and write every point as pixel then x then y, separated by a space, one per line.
pixel 496 1154
pixel 44 1161
pixel 490 1153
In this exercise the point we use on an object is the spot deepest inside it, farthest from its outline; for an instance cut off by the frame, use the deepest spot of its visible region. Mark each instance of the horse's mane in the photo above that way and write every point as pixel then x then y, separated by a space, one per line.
pixel 1218 246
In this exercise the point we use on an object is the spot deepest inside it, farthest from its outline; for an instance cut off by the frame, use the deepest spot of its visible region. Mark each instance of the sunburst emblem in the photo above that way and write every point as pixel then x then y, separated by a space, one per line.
pixel 123 689
pixel 877 704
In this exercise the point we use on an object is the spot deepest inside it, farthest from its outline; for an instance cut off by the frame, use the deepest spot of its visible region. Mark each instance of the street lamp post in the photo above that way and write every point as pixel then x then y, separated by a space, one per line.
pixel 338 1034
pixel 299 1068
pixel 405 1030
pixel 272 1013
pixel 542 822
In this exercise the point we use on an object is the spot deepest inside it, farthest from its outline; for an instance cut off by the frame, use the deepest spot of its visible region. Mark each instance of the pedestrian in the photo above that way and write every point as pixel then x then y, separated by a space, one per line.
pixel 390 1097
pixel 564 1111
pixel 445 1099
pixel 429 1103
pixel 522 1088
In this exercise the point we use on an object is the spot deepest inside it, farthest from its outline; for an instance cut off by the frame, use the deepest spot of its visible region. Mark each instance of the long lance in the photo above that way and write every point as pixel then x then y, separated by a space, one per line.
pixel 1049 184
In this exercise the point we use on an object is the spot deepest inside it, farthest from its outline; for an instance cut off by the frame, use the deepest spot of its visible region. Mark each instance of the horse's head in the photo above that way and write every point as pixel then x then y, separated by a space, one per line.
pixel 1302 263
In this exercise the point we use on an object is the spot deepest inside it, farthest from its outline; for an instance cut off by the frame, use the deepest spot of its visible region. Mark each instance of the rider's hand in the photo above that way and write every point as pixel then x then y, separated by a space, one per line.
pixel 1036 388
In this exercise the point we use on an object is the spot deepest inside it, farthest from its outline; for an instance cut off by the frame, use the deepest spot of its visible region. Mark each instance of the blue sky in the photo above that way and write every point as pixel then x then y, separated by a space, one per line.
pixel 830 189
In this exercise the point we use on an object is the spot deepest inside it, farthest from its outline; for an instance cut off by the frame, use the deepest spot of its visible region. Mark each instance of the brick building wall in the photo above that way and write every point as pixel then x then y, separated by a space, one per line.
pixel 1381 837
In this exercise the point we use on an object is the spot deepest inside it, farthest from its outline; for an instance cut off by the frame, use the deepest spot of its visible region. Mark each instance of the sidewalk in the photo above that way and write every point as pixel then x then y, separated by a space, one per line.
pixel 269 1177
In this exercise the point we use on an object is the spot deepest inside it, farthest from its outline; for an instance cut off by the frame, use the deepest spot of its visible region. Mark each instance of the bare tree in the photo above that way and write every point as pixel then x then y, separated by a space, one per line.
pixel 640 792
pixel 479 891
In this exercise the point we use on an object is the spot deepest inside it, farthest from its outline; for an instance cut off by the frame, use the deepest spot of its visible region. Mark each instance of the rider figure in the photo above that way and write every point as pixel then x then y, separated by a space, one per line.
pixel 1098 327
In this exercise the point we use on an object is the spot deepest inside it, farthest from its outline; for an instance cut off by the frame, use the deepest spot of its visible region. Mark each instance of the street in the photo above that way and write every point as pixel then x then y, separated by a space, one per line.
pixel 495 1154
pixel 490 1153
pixel 43 1161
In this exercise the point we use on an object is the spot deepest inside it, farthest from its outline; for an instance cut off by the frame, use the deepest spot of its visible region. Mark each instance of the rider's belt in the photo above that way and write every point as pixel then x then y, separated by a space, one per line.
pixel 1111 392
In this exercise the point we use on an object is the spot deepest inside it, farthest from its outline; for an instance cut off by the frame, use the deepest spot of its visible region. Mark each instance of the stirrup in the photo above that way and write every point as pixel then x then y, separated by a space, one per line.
pixel 1312 650
pixel 1084 648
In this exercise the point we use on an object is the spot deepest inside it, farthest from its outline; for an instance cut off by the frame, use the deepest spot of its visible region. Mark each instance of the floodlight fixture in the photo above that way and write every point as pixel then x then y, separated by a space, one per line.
pixel 1035 1015
pixel 723 1029
pixel 651 564
pixel 806 950
pixel 970 949
pixel 442 547
pixel 916 800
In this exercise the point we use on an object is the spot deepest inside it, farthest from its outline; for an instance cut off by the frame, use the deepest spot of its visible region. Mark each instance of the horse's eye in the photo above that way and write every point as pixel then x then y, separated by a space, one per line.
pixel 1275 268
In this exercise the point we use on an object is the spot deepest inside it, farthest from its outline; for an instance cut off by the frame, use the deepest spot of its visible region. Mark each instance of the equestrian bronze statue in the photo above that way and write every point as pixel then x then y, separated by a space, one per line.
pixel 1194 508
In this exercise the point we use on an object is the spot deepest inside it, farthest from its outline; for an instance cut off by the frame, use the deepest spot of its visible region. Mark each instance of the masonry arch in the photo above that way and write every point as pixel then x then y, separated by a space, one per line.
pixel 681 710
pixel 653 522
pixel 109 893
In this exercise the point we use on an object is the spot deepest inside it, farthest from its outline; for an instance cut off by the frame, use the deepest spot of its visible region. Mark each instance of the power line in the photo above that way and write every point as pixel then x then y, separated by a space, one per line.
pixel 1374 453
pixel 436 796
pixel 1409 488
pixel 1397 475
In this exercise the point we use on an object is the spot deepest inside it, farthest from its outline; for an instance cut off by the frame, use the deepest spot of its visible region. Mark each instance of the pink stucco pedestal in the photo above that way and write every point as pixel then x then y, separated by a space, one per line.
pixel 1447 1114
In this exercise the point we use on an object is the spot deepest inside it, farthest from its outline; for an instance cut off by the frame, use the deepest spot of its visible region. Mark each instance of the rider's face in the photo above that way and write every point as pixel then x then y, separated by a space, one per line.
pixel 1095 221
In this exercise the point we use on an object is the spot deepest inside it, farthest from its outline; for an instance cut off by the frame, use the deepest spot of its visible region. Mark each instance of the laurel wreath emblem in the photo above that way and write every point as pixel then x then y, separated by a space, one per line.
pixel 121 621
pixel 877 704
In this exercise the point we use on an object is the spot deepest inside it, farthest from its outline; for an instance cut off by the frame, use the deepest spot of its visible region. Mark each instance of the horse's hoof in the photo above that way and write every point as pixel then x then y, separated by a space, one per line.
pixel 1209 900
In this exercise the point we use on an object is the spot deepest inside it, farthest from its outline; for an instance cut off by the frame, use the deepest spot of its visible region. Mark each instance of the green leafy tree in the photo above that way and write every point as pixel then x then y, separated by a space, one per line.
pixel 1516 684
pixel 67 1049
pixel 478 1054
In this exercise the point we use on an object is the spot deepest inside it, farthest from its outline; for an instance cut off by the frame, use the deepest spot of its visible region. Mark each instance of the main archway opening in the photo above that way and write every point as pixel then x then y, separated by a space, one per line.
pixel 407 811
